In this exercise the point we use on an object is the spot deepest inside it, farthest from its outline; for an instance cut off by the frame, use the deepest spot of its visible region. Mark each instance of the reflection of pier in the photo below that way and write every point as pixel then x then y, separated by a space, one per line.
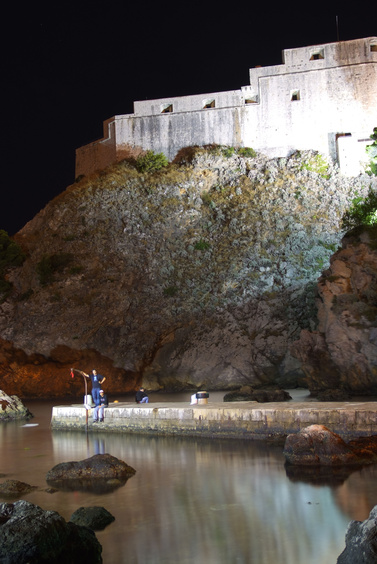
pixel 248 420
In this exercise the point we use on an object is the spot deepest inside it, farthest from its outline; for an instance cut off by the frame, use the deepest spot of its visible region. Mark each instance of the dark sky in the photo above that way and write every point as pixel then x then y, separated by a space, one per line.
pixel 66 69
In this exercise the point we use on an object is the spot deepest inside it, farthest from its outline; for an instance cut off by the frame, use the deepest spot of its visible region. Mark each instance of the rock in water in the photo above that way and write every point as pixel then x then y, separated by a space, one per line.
pixel 96 518
pixel 361 541
pixel 316 445
pixel 102 473
pixel 15 488
pixel 30 535
pixel 98 466
pixel 11 407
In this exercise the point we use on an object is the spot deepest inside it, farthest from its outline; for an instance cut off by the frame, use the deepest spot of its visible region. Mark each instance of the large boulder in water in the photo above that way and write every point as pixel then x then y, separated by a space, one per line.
pixel 317 445
pixel 30 535
pixel 102 473
pixel 361 541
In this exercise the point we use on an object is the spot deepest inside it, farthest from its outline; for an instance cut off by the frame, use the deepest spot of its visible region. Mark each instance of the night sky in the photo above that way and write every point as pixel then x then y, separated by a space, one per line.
pixel 65 70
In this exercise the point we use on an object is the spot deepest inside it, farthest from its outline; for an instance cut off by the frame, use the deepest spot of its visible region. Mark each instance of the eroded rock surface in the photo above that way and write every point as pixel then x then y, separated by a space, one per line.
pixel 342 353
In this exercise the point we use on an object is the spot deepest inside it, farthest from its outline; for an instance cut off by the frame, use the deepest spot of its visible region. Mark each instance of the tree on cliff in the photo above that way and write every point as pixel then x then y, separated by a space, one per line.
pixel 372 153
pixel 363 211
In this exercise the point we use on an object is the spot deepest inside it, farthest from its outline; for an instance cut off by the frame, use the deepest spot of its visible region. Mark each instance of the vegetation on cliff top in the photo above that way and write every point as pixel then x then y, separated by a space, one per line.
pixel 363 210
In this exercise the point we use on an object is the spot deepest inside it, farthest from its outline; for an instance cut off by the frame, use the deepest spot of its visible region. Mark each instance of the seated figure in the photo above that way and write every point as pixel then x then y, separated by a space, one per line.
pixel 99 410
pixel 141 396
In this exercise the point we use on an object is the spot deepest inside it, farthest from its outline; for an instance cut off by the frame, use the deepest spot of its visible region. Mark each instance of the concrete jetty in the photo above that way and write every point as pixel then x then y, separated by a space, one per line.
pixel 239 420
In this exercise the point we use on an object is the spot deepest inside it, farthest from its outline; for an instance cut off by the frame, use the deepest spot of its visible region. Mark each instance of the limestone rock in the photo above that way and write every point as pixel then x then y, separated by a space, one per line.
pixel 30 535
pixel 196 277
pixel 361 541
pixel 96 518
pixel 11 407
pixel 316 445
pixel 342 353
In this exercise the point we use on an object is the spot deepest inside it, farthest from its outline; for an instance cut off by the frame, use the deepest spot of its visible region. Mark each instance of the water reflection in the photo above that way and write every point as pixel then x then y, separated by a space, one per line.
pixel 195 500
pixel 320 475
pixel 99 486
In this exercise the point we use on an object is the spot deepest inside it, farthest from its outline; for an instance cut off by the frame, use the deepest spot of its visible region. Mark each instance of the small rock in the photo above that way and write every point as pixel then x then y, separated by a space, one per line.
pixel 96 518
pixel 238 396
pixel 14 488
pixel 266 396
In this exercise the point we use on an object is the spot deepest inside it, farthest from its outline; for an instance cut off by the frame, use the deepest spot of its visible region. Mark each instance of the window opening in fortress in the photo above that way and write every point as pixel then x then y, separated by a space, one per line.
pixel 167 109
pixel 295 95
pixel 342 135
pixel 208 104
pixel 373 47
pixel 252 100
pixel 316 55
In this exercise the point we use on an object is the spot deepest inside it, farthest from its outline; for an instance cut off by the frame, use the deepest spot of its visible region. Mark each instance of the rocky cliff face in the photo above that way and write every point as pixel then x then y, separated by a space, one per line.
pixel 198 276
pixel 342 353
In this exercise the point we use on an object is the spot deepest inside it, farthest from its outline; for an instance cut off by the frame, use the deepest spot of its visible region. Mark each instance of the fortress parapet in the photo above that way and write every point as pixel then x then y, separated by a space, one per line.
pixel 322 98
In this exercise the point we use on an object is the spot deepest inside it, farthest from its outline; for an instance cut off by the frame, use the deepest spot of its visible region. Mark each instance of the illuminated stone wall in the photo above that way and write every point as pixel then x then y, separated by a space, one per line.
pixel 322 98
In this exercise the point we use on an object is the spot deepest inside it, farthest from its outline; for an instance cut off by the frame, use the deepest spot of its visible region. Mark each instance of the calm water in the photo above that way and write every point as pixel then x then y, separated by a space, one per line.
pixel 193 501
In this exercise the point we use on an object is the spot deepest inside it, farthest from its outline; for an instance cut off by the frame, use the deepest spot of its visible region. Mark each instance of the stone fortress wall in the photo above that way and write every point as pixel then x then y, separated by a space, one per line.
pixel 321 98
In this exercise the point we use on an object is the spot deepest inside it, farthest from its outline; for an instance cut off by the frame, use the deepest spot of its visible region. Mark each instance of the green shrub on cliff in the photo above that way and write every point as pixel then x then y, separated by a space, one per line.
pixel 150 162
pixel 372 154
pixel 317 163
pixel 246 152
pixel 363 211
pixel 202 245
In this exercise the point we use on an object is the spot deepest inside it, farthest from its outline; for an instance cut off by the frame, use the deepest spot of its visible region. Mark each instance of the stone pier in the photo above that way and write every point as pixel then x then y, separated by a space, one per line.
pixel 240 420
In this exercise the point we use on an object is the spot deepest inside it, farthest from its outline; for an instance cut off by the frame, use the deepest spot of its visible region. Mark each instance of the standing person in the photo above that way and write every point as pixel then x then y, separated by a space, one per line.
pixel 97 381
pixel 99 410
pixel 141 396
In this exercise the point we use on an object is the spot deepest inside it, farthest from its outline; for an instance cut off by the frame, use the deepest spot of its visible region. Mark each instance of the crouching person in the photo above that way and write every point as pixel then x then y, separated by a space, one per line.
pixel 99 410
pixel 141 396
